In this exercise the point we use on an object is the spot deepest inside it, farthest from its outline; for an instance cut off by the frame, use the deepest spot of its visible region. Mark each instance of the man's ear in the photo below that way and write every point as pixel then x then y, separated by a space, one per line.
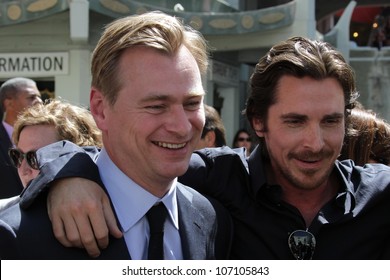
pixel 98 106
pixel 210 138
pixel 258 126
pixel 8 103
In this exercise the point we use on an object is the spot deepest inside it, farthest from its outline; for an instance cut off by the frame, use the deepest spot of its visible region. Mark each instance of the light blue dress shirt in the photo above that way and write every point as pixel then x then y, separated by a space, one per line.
pixel 131 203
pixel 10 129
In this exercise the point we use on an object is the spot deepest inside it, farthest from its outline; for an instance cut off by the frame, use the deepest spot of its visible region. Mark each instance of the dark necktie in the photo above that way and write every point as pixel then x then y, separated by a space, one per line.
pixel 156 218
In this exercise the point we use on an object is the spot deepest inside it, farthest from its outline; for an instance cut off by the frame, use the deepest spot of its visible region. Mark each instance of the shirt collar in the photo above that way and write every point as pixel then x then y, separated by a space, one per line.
pixel 346 195
pixel 10 129
pixel 131 201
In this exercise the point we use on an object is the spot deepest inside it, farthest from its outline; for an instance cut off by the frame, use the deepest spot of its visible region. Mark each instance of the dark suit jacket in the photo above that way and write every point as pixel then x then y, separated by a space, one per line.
pixel 205 231
pixel 10 184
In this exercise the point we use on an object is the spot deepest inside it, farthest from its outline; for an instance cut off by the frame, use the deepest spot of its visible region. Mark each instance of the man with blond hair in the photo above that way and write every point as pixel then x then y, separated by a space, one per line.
pixel 147 99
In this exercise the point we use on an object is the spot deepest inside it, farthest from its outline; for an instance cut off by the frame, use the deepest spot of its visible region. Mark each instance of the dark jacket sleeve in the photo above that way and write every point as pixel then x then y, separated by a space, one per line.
pixel 64 159
pixel 61 160
pixel 224 232
pixel 9 250
pixel 208 165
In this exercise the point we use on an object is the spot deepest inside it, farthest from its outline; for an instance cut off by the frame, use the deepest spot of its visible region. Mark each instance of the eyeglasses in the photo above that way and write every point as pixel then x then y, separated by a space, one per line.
pixel 241 139
pixel 302 244
pixel 17 157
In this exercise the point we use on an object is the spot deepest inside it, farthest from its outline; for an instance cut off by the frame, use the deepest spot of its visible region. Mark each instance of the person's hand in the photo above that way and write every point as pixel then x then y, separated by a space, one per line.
pixel 81 215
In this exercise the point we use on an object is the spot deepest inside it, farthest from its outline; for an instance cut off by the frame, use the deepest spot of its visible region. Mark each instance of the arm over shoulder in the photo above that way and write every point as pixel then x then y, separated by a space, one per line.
pixel 208 165
pixel 59 160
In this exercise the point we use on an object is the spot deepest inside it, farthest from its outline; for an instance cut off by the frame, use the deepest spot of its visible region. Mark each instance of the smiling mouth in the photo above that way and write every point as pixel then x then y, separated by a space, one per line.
pixel 170 145
pixel 310 161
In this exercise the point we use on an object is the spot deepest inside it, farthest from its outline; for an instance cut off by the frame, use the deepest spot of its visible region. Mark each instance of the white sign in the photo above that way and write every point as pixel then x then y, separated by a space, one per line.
pixel 33 64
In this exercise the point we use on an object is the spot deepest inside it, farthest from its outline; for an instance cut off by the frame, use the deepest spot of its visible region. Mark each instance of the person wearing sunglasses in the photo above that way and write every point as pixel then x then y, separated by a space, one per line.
pixel 44 124
pixel 292 198
pixel 242 139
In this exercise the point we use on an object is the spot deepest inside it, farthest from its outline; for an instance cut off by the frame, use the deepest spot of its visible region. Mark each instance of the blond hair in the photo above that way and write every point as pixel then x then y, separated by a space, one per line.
pixel 71 122
pixel 155 30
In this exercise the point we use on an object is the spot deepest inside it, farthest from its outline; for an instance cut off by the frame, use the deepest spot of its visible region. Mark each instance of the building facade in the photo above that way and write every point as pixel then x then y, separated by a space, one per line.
pixel 51 41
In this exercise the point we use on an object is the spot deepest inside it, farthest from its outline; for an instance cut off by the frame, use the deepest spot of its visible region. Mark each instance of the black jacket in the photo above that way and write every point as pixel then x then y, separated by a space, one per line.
pixel 10 184
pixel 205 226
pixel 355 224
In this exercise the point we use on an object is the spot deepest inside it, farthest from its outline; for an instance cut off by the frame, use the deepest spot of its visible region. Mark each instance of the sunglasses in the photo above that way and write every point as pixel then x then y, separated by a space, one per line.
pixel 17 157
pixel 241 139
pixel 302 244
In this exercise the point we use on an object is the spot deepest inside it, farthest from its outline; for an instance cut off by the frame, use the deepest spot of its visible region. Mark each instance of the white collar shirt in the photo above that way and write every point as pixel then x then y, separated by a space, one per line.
pixel 131 203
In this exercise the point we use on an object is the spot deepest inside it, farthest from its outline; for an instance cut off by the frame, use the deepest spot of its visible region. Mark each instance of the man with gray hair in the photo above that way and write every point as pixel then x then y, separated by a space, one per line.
pixel 15 95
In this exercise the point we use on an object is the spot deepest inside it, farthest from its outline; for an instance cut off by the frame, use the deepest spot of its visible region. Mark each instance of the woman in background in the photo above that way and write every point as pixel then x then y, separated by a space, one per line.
pixel 44 124
pixel 243 139
pixel 367 139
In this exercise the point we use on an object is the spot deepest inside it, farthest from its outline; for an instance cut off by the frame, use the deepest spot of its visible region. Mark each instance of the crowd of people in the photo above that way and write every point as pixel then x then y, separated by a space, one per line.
pixel 314 187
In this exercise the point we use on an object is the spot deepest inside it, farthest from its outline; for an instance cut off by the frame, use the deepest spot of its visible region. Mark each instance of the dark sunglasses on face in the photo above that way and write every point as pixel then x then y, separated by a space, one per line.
pixel 241 139
pixel 17 157
pixel 302 244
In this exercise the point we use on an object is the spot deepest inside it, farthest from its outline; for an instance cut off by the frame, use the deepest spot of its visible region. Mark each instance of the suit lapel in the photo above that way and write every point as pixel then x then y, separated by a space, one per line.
pixel 117 250
pixel 193 236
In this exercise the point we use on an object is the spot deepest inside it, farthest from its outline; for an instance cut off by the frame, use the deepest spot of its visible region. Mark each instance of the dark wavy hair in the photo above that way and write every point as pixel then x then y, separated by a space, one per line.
pixel 298 57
